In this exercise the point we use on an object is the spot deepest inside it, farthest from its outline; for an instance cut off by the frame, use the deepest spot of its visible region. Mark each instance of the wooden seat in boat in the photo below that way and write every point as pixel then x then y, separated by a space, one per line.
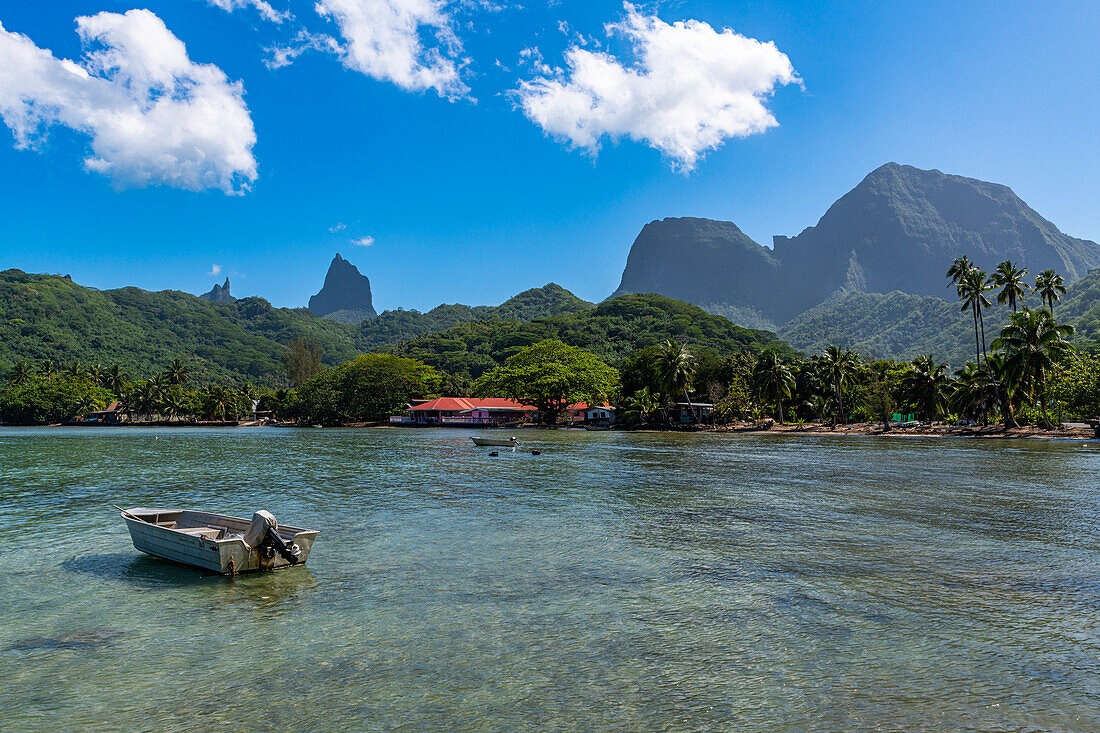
pixel 209 533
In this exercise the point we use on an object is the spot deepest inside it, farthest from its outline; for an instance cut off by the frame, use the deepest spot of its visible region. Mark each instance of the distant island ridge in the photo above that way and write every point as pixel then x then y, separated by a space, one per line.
pixel 898 230
pixel 875 283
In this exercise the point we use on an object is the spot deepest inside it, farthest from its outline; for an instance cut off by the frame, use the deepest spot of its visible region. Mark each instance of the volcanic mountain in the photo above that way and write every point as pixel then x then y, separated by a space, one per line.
pixel 345 296
pixel 899 229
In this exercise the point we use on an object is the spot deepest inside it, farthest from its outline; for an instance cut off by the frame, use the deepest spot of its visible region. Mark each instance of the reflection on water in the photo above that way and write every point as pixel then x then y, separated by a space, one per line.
pixel 620 582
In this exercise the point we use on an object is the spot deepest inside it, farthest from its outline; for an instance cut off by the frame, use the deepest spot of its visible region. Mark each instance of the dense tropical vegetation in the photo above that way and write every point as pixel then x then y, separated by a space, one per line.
pixel 394 326
pixel 612 331
pixel 1029 371
pixel 550 376
pixel 903 326
pixel 658 360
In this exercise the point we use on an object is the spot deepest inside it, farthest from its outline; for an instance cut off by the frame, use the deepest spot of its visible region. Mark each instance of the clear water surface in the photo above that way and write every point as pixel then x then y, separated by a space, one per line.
pixel 615 582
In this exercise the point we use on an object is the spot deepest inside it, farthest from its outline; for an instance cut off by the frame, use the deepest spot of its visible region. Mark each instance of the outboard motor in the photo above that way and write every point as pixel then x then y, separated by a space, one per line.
pixel 262 535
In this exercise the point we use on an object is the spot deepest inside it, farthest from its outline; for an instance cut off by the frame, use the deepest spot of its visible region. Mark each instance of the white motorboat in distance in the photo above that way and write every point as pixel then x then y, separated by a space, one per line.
pixel 217 542
pixel 501 442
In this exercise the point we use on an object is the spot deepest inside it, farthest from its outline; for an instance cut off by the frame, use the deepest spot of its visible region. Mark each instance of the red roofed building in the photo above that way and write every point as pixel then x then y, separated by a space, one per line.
pixel 464 411
pixel 590 412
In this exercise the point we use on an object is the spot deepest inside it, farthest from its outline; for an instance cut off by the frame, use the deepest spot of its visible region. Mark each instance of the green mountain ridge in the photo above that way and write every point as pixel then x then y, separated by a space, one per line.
pixel 611 330
pixel 394 326
pixel 903 326
pixel 49 317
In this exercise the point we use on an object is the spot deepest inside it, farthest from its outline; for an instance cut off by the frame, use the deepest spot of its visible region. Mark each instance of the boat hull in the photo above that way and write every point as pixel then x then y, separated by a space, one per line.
pixel 226 556
pixel 496 442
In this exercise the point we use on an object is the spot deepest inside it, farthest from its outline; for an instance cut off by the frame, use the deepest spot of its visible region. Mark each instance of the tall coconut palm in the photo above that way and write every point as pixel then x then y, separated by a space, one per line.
pixel 177 373
pixel 1032 342
pixel 926 384
pixel 96 374
pixel 115 379
pixel 958 270
pixel 156 393
pixel 972 289
pixel 174 404
pixel 998 370
pixel 76 370
pixel 21 373
pixel 840 366
pixel 975 392
pixel 675 370
pixel 773 379
pixel 47 369
pixel 1050 286
pixel 221 402
pixel 1010 279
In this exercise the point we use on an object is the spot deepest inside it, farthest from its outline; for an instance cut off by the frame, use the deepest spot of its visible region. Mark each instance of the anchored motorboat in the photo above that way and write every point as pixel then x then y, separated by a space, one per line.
pixel 218 542
pixel 503 442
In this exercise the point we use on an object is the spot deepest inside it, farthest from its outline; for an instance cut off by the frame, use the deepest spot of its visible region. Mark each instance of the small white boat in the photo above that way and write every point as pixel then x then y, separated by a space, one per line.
pixel 504 442
pixel 217 542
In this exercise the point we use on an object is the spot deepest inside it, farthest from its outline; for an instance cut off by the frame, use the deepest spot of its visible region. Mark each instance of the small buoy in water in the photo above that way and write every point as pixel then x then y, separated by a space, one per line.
pixel 494 454
pixel 536 453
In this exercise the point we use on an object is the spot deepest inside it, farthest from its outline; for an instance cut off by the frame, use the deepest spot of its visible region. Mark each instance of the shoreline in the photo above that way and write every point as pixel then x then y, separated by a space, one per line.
pixel 991 432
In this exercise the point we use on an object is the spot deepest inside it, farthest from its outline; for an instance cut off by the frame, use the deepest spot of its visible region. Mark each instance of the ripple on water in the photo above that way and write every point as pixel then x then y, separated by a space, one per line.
pixel 619 582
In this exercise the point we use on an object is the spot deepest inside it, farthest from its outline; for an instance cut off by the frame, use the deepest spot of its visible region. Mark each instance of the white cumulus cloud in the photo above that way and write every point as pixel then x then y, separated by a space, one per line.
pixel 215 270
pixel 384 39
pixel 690 88
pixel 363 241
pixel 153 115
pixel 338 227
pixel 263 8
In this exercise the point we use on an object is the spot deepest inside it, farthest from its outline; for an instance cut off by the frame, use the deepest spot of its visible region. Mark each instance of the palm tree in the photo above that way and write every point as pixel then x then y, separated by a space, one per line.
pixel 220 401
pixel 958 270
pixel 86 404
pixel 675 370
pixel 20 373
pixel 819 406
pixel 976 391
pixel 177 373
pixel 641 406
pixel 174 404
pixel 96 374
pixel 840 365
pixel 772 379
pixel 1032 342
pixel 957 273
pixel 972 289
pixel 156 393
pixel 926 384
pixel 47 369
pixel 1010 279
pixel 998 370
pixel 76 370
pixel 115 379
pixel 1050 286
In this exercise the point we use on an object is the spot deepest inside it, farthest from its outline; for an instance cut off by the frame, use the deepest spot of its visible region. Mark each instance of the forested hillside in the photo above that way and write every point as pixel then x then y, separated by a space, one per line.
pixel 903 326
pixel 611 330
pixel 393 327
pixel 50 317
pixel 47 317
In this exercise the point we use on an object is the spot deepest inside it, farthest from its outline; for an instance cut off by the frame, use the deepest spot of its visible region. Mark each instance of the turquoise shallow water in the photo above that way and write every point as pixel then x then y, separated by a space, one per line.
pixel 615 582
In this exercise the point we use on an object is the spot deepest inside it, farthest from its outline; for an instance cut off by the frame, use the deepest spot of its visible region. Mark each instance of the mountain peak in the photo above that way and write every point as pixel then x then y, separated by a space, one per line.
pixel 346 293
pixel 897 229
pixel 219 293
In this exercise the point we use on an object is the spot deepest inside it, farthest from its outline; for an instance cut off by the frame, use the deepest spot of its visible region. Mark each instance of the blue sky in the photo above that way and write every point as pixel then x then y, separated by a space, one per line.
pixel 466 166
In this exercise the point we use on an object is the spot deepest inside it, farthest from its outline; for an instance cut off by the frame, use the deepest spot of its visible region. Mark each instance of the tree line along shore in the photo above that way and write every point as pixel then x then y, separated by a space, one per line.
pixel 1026 379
